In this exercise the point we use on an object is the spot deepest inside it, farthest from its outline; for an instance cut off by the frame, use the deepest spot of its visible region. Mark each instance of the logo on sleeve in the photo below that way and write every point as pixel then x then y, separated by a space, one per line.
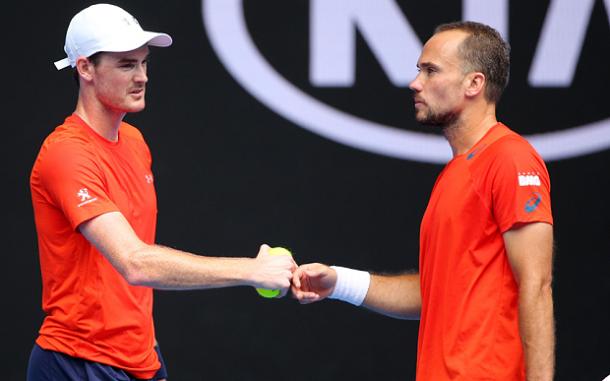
pixel 533 202
pixel 85 197
pixel 149 178
pixel 528 178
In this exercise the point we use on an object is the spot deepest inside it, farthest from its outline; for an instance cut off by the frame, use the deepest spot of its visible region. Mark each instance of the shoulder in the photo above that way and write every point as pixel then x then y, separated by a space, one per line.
pixel 65 149
pixel 508 148
pixel 512 144
pixel 131 132
pixel 507 158
pixel 133 138
pixel 513 162
pixel 66 140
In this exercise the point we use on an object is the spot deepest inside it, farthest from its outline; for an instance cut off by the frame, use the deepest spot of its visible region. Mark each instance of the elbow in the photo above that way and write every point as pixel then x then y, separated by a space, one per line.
pixel 135 271
pixel 541 286
pixel 134 278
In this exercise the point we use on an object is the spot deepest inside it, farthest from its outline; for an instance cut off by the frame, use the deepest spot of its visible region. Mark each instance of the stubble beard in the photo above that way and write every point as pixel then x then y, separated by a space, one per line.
pixel 444 120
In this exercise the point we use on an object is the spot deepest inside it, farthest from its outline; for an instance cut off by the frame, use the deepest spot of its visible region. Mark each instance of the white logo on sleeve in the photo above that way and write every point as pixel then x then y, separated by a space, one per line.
pixel 528 178
pixel 85 197
pixel 149 179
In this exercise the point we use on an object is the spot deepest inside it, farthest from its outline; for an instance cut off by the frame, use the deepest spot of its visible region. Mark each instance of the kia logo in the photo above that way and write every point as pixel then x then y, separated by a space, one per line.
pixel 393 42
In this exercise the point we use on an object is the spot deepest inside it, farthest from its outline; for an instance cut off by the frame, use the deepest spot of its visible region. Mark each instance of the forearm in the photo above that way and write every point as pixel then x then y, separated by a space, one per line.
pixel 396 296
pixel 166 268
pixel 537 330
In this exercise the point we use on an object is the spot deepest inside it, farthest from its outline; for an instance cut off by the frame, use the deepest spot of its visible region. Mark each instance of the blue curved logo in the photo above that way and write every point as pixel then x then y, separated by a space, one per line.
pixel 533 202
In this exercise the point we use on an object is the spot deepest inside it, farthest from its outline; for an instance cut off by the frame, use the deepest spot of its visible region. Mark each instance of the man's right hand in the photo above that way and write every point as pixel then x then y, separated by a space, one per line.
pixel 313 282
pixel 273 271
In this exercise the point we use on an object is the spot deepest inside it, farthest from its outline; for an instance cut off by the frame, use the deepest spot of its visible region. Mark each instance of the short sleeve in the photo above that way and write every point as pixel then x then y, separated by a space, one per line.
pixel 521 189
pixel 71 179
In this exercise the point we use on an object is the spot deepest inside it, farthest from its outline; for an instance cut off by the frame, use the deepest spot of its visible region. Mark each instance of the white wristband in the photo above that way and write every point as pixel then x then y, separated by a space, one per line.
pixel 352 285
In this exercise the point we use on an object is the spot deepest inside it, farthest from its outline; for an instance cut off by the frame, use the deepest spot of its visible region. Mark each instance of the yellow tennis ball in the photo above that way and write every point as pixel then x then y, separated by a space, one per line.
pixel 266 293
pixel 279 251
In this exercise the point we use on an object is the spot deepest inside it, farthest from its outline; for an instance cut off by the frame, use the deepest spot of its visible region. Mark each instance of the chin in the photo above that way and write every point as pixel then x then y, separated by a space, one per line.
pixel 424 120
pixel 135 107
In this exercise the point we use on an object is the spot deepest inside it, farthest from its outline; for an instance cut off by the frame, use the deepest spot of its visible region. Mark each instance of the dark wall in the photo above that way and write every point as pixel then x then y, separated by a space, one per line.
pixel 232 174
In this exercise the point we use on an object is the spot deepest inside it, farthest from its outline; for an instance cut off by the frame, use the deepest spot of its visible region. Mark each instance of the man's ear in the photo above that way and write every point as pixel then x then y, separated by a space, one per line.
pixel 84 68
pixel 475 84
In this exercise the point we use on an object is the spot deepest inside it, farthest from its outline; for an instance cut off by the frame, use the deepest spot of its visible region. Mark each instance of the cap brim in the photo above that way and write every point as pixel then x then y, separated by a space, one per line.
pixel 143 38
pixel 161 40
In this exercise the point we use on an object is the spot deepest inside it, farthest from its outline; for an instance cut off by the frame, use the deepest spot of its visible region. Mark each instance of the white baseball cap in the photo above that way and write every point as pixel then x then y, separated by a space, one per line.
pixel 106 28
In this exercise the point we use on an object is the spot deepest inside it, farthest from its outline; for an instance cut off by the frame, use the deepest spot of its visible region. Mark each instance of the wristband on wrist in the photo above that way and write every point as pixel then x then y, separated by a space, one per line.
pixel 352 285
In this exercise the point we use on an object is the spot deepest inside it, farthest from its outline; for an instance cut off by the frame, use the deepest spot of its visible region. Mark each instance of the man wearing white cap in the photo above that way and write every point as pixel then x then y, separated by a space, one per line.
pixel 95 211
